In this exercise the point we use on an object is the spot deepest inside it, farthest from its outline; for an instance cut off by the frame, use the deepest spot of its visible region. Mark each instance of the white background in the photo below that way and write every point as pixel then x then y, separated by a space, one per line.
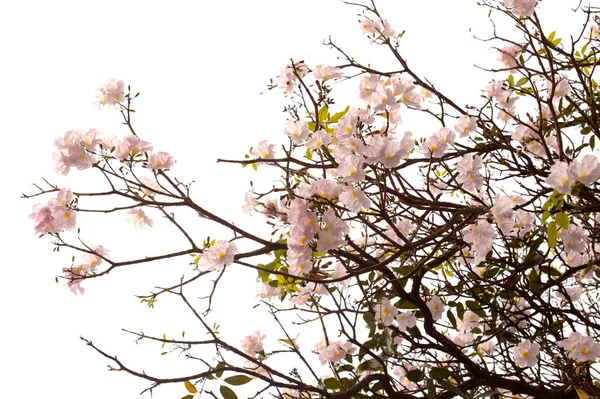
pixel 200 67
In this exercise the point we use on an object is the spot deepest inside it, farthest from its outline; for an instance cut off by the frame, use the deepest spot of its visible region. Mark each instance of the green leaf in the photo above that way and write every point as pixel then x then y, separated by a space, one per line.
pixel 188 397
pixel 557 41
pixel 311 126
pixel 551 36
pixel 415 375
pixel 255 167
pixel 552 234
pixel 220 373
pixel 227 392
pixel 332 383
pixel 592 142
pixel 337 116
pixel 238 379
pixel 562 220
pixel 440 373
pixel 430 389
pixel 522 81
pixel 451 387
pixel 451 318
pixel 511 80
pixel 406 305
pixel 309 153
pixel 323 114
pixel 190 387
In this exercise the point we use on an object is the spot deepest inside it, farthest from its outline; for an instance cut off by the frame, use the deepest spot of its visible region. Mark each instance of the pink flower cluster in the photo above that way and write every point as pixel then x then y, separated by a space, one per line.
pixel 56 215
pixel 580 348
pixel 76 149
pixel 111 93
pixel 334 352
pixel 522 8
pixel 481 238
pixel 510 222
pixel 563 175
pixel 88 265
pixel 253 344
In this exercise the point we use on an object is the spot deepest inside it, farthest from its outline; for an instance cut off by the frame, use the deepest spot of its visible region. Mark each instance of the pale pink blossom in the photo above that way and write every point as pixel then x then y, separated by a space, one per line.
pixel 436 306
pixel 139 218
pixel 264 150
pixel 56 215
pixel 560 89
pixel 334 352
pixel 400 373
pixel 586 170
pixel 75 149
pixel 368 26
pixel 574 238
pixel 580 348
pixel 463 338
pixel 468 172
pixel 521 8
pixel 351 169
pixel 488 347
pixel 560 178
pixel 573 293
pixel 406 320
pixel 111 93
pixel 290 74
pixel 324 73
pixel 470 320
pixel 465 125
pixel 131 146
pixel 253 344
pixel 318 139
pixel 354 199
pixel 324 188
pixel 385 312
pixel 526 353
pixel 297 131
pixel 221 254
pixel 160 161
pixel 509 55
pixel 481 238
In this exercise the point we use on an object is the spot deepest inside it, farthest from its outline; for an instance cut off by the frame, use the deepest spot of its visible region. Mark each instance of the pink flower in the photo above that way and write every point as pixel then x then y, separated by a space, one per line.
pixel 508 56
pixel 406 320
pixel 481 238
pixel 253 344
pixel 354 199
pixel 488 347
pixel 469 321
pixel 132 146
pixel 463 338
pixel 324 73
pixel 436 306
pixel 221 254
pixel 468 172
pixel 111 93
pixel 560 178
pixel 526 353
pixel 56 215
pixel 522 8
pixel 75 150
pixel 587 171
pixel 264 150
pixel 465 125
pixel 334 352
pixel 139 219
pixel 160 161
pixel 580 348
pixel 385 312
pixel 400 373
pixel 561 89
pixel 297 131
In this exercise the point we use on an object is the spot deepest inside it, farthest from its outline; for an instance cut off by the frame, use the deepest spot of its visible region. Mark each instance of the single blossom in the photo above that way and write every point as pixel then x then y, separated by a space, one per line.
pixel 385 312
pixel 324 73
pixel 218 256
pixel 253 344
pixel 406 320
pixel 131 146
pixel 436 307
pixel 264 150
pixel 526 353
pixel 160 161
pixel 139 218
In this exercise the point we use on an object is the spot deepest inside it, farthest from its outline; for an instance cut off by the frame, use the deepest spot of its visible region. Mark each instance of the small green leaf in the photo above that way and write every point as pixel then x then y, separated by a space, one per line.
pixel 511 80
pixel 451 387
pixel 440 373
pixel 415 375
pixel 309 153
pixel 451 318
pixel 522 81
pixel 592 142
pixel 190 387
pixel 337 116
pixel 562 220
pixel 323 114
pixel 220 373
pixel 227 392
pixel 332 383
pixel 557 41
pixel 238 379
pixel 188 397
pixel 552 234
pixel 255 167
pixel 551 36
